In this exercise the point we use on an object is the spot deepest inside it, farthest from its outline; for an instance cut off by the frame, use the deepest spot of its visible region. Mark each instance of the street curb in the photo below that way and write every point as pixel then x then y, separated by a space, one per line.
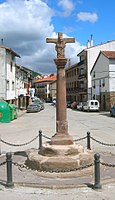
pixel 71 186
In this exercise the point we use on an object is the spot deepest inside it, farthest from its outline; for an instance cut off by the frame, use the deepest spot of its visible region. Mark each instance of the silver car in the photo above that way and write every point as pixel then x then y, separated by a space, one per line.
pixel 33 108
pixel 80 106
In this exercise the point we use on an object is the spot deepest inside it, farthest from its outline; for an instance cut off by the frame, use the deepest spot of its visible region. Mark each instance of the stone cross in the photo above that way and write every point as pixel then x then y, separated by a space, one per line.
pixel 60 44
pixel 61 137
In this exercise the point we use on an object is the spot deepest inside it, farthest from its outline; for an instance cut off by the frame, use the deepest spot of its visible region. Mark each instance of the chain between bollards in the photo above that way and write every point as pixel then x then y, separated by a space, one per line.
pixel 40 139
pixel 9 170
pixel 97 184
pixel 88 141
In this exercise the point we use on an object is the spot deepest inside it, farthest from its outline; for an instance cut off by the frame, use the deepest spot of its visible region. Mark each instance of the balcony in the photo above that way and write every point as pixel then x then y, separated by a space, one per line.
pixel 80 63
pixel 82 89
pixel 80 76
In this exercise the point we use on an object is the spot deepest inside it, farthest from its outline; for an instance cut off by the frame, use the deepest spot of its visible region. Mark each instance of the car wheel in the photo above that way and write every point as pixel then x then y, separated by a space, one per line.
pixel 111 114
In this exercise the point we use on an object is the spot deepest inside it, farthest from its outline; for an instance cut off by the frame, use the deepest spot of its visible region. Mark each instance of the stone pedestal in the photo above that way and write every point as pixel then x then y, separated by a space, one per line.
pixel 60 158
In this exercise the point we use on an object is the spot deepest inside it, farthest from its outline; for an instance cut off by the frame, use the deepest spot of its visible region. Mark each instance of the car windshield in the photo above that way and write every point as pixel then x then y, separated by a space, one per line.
pixel 33 105
pixel 80 103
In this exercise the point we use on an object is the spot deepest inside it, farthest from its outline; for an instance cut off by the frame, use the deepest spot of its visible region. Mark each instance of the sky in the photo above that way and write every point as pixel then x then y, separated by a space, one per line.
pixel 25 25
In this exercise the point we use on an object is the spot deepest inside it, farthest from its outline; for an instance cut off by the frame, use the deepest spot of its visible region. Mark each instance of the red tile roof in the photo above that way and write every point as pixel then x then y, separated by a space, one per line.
pixel 49 78
pixel 109 54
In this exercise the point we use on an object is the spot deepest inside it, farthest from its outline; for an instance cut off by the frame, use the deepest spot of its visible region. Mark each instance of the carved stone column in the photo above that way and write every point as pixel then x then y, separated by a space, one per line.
pixel 61 137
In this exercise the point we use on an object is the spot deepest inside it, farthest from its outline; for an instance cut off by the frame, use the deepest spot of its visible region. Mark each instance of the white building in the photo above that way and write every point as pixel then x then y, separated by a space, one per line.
pixel 7 73
pixel 24 90
pixel 87 59
pixel 103 79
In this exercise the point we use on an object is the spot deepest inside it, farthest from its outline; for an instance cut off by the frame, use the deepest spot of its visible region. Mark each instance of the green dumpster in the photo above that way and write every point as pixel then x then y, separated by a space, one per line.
pixel 13 111
pixel 4 112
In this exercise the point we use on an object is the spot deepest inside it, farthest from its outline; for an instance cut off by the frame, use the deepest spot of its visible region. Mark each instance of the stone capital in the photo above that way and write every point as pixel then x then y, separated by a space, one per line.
pixel 60 62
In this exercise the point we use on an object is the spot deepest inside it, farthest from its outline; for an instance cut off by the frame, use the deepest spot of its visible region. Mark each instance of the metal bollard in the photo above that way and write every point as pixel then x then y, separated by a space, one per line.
pixel 88 141
pixel 9 170
pixel 40 139
pixel 97 184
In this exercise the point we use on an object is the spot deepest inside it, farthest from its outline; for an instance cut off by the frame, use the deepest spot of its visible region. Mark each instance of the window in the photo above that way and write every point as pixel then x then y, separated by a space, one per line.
pixel 92 103
pixel 103 82
pixel 12 85
pixel 93 84
pixel 81 84
pixel 74 84
pixel 11 66
pixel 7 85
pixel 13 58
pixel 74 71
pixel 81 72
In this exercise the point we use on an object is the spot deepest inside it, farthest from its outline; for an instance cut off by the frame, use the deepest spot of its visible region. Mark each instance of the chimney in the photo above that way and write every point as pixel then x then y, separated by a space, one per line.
pixel 2 41
pixel 91 41
pixel 88 44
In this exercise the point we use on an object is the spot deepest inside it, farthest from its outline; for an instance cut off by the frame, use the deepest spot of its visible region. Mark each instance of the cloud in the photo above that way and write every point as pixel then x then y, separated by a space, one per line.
pixel 67 5
pixel 24 26
pixel 87 16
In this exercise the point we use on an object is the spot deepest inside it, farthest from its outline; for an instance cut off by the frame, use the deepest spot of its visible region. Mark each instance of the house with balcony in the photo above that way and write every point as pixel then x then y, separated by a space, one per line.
pixel 24 85
pixel 42 86
pixel 87 58
pixel 103 79
pixel 7 74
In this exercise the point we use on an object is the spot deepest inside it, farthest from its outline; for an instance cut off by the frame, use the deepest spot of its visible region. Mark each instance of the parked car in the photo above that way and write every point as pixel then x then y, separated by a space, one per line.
pixel 74 105
pixel 39 103
pixel 68 103
pixel 91 105
pixel 112 111
pixel 54 101
pixel 80 106
pixel 33 98
pixel 33 108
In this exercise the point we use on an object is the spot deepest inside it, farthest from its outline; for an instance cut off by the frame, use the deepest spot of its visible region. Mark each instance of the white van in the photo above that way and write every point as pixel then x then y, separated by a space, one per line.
pixel 91 105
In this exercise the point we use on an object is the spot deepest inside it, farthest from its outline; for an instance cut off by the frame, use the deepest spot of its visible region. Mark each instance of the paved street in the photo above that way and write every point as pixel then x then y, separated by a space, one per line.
pixel 83 193
pixel 100 125
pixel 27 126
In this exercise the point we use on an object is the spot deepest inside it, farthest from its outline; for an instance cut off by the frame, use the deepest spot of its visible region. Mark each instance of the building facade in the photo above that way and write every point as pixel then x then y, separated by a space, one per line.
pixel 42 86
pixel 15 80
pixel 7 74
pixel 23 84
pixel 71 83
pixel 53 89
pixel 87 59
pixel 103 79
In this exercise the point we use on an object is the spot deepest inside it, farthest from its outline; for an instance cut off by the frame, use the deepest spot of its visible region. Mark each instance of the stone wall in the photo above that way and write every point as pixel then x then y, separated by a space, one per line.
pixel 112 98
pixel 106 99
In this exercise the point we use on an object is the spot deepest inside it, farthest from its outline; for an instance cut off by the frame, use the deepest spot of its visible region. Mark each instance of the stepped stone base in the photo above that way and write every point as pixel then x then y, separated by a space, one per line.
pixel 61 139
pixel 59 158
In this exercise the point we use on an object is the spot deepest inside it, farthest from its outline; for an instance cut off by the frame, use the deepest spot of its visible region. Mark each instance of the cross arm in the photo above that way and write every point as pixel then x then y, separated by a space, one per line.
pixel 69 40
pixel 51 40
